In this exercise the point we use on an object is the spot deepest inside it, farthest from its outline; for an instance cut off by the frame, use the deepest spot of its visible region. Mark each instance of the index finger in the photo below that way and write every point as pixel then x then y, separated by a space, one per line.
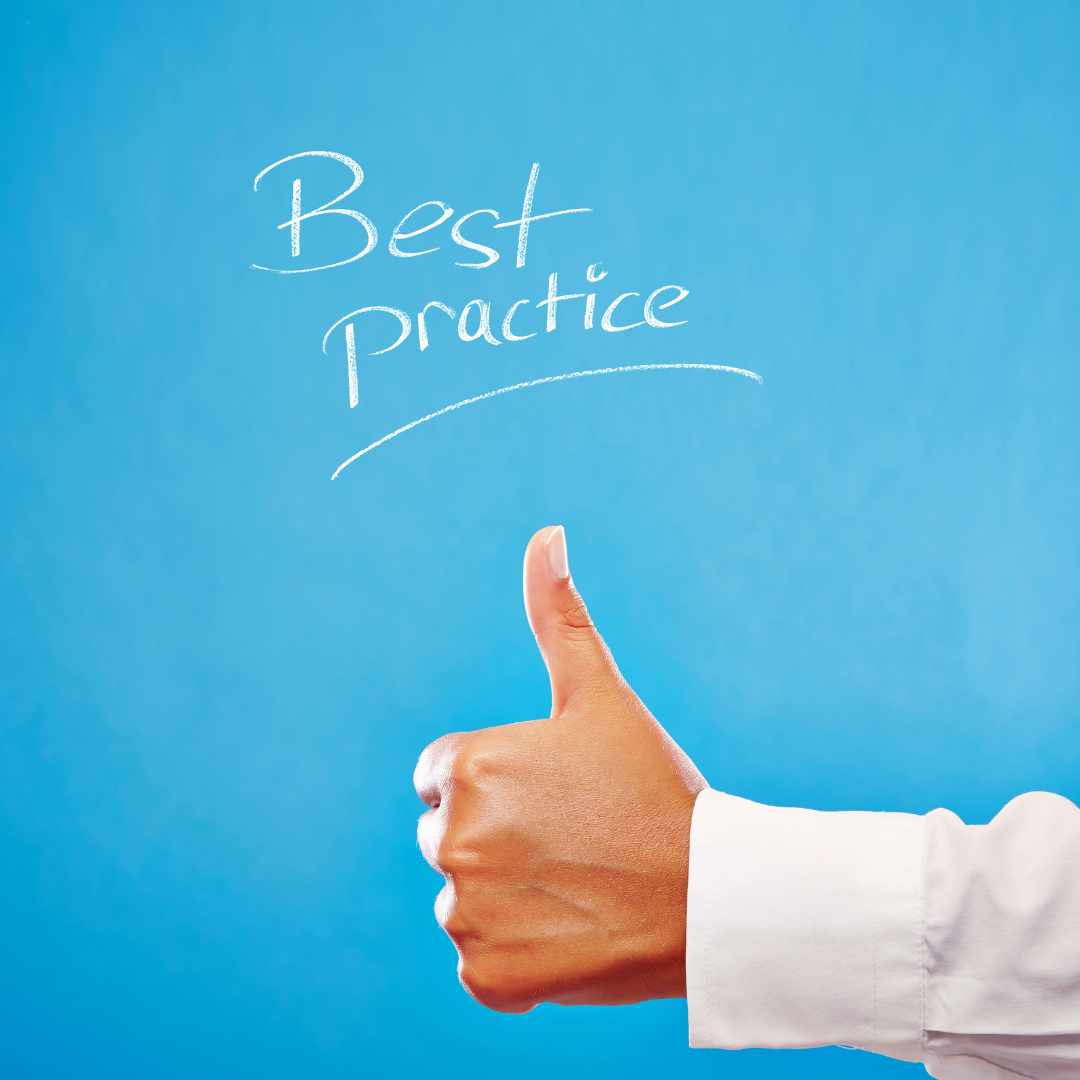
pixel 431 778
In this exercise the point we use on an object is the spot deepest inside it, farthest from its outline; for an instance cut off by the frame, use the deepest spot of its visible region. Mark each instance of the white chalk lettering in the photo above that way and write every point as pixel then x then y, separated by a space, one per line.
pixel 421 320
pixel 350 346
pixel 406 326
pixel 485 323
pixel 527 216
pixel 399 235
pixel 650 318
pixel 491 253
pixel 552 301
pixel 293 224
pixel 605 322
pixel 507 334
pixel 594 274
pixel 295 220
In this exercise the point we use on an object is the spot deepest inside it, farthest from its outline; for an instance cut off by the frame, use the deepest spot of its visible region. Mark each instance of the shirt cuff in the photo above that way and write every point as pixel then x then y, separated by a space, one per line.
pixel 804 928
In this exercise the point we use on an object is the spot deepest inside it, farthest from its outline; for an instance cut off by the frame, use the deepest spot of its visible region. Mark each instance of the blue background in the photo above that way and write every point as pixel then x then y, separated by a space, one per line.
pixel 855 586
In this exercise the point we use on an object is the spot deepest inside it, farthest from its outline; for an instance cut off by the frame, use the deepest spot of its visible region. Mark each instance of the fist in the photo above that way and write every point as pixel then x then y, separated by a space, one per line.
pixel 564 842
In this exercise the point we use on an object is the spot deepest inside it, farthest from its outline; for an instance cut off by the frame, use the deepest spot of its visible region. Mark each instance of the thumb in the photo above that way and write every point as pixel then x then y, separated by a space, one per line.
pixel 578 662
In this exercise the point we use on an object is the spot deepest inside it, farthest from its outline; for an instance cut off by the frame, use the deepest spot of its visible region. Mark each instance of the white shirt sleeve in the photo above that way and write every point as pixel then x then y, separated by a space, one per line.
pixel 921 938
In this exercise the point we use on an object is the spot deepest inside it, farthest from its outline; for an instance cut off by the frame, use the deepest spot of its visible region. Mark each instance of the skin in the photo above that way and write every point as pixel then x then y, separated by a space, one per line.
pixel 564 842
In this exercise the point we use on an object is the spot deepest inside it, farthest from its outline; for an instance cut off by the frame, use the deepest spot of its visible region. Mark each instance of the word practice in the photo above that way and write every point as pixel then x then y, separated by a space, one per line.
pixel 483 320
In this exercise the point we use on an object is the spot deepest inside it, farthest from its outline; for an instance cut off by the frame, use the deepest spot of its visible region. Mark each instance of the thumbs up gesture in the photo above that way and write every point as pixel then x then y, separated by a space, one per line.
pixel 564 842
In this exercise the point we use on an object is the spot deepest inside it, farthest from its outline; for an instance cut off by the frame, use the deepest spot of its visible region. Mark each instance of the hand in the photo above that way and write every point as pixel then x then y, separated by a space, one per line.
pixel 564 842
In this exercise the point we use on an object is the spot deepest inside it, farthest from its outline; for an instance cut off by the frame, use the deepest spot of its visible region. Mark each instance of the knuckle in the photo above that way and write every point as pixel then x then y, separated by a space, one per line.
pixel 455 918
pixel 472 766
pixel 454 857
pixel 435 753
pixel 457 925
pixel 574 613
pixel 435 765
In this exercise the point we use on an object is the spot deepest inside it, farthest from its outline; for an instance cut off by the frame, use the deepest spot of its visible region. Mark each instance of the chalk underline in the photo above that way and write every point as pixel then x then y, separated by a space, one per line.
pixel 538 382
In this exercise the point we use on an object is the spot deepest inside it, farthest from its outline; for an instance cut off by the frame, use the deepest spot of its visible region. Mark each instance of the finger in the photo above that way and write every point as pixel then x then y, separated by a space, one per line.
pixel 434 770
pixel 430 830
pixel 577 659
